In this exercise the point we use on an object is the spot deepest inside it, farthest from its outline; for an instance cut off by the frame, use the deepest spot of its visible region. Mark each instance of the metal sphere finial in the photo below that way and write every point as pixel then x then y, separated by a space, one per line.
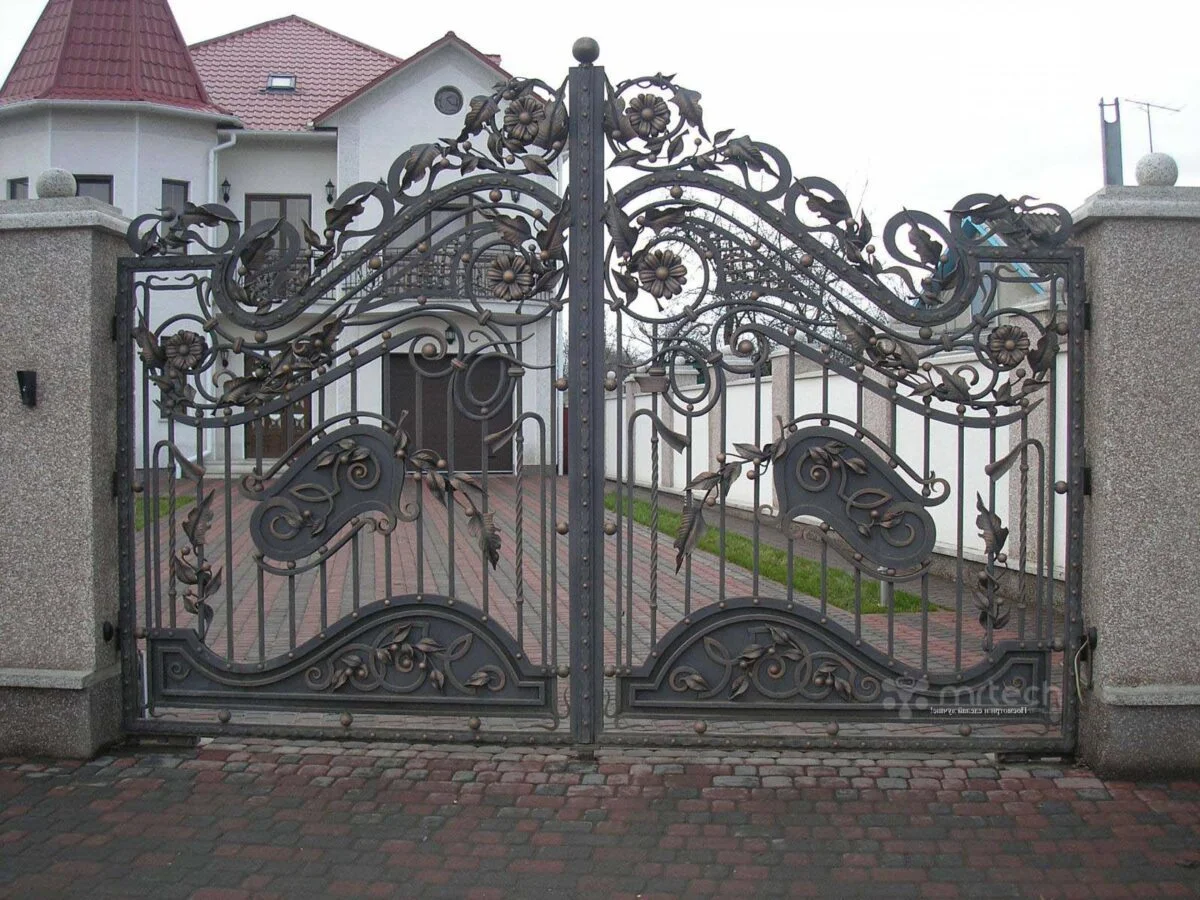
pixel 586 50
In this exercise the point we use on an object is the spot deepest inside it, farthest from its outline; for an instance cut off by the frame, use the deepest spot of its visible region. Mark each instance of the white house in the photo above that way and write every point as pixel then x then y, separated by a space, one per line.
pixel 273 121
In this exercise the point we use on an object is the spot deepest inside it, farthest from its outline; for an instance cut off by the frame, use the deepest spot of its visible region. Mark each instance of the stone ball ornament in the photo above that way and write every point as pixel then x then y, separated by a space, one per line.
pixel 55 183
pixel 1156 170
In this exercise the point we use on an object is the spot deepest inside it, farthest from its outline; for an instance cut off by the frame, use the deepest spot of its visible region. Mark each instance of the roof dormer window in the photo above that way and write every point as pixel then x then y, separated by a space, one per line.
pixel 281 82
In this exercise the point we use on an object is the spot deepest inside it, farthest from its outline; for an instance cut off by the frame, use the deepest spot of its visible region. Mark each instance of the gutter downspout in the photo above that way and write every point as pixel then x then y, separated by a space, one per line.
pixel 212 166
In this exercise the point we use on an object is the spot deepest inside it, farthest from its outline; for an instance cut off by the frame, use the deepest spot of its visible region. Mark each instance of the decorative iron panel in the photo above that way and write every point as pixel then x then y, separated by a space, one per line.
pixel 816 467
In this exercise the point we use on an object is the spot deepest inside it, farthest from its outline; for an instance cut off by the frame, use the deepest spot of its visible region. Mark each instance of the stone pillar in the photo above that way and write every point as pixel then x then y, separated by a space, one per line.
pixel 59 675
pixel 1141 524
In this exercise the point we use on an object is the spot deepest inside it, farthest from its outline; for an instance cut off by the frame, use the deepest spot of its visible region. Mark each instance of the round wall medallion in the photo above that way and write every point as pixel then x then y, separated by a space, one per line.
pixel 448 100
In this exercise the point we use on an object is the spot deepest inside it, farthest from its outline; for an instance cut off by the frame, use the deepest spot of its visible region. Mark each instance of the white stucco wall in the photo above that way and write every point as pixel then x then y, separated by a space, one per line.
pixel 398 113
pixel 138 148
pixel 24 147
pixel 284 164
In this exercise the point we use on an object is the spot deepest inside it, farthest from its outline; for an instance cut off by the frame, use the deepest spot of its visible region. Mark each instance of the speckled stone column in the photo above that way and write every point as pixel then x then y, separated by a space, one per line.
pixel 59 680
pixel 1142 525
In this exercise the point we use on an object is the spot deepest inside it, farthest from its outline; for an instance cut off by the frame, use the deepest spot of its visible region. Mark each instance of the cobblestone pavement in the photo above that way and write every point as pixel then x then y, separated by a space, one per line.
pixel 262 820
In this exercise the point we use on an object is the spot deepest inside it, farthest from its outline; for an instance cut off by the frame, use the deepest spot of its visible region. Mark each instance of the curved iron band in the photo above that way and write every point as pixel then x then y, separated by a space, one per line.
pixel 313 385
pixel 872 509
pixel 787 223
pixel 410 215
pixel 207 680
pixel 348 473
pixel 1011 684
pixel 884 299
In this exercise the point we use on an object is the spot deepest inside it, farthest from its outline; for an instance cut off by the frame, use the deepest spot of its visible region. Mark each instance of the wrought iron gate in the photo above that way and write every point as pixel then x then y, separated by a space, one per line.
pixel 814 470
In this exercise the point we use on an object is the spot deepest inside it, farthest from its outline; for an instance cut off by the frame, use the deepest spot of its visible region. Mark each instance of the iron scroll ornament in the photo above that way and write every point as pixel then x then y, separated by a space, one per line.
pixel 828 473
pixel 753 656
pixel 349 473
pixel 399 654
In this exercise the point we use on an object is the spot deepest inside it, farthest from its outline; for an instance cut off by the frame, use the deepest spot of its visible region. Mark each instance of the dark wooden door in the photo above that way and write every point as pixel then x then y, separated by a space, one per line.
pixel 279 430
pixel 431 413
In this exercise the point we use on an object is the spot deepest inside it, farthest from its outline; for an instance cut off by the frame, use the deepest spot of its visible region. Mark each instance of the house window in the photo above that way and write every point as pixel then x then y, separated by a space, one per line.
pixel 18 189
pixel 448 100
pixel 281 82
pixel 98 186
pixel 174 195
pixel 294 208
pixel 175 198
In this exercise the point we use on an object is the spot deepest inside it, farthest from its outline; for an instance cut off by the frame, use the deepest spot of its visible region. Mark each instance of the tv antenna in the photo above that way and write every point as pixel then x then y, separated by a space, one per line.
pixel 1146 107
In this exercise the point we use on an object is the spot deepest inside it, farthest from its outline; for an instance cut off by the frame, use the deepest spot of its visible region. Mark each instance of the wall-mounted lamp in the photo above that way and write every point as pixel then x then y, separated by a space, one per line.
pixel 329 191
pixel 450 338
pixel 515 196
pixel 225 190
pixel 27 385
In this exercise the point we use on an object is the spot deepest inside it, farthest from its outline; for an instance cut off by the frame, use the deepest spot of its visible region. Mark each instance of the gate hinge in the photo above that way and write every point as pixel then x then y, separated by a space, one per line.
pixel 1087 478
pixel 1087 314
pixel 116 478
pixel 114 327
pixel 1083 658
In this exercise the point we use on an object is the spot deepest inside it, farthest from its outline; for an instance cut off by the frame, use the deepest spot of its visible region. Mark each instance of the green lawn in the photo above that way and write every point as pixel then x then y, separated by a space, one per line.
pixel 164 508
pixel 773 565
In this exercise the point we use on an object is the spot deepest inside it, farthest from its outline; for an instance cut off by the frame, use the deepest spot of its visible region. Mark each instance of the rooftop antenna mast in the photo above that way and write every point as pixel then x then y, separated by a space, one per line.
pixel 1146 107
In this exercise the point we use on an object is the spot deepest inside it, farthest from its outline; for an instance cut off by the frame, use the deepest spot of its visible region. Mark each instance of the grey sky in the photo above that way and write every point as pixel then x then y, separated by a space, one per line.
pixel 901 103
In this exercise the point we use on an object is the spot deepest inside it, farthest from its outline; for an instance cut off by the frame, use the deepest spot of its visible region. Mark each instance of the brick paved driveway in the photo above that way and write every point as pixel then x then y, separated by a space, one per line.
pixel 261 616
pixel 269 820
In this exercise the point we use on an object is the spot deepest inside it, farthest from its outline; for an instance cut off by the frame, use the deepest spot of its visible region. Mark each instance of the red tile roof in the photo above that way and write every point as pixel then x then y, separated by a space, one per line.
pixel 328 66
pixel 449 38
pixel 107 50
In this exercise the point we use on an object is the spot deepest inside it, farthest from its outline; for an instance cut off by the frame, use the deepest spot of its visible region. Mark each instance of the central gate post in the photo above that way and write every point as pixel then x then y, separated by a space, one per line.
pixel 585 397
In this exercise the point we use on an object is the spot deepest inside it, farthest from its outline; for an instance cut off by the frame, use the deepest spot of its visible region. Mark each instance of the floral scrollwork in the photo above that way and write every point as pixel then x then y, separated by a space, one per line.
pixel 404 659
pixel 993 608
pixel 775 665
pixel 171 361
pixel 349 474
pixel 189 567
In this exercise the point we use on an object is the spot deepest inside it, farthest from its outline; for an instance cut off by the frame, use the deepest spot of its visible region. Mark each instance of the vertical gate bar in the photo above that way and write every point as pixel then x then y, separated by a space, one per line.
pixel 959 562
pixel 127 611
pixel 202 626
pixel 355 572
pixel 925 623
pixel 1048 476
pixel 483 480
pixel 724 431
pixel 229 572
pixel 262 623
pixel 1075 464
pixel 149 543
pixel 858 593
pixel 757 490
pixel 450 573
pixel 1042 576
pixel 172 594
pixel 1023 557
pixel 586 398
pixel 260 582
pixel 687 563
pixel 654 477
pixel 324 589
pixel 619 484
pixel 291 612
pixel 519 481
pixel 545 475
pixel 791 415
pixel 989 629
pixel 150 516
pixel 418 482
pixel 549 538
